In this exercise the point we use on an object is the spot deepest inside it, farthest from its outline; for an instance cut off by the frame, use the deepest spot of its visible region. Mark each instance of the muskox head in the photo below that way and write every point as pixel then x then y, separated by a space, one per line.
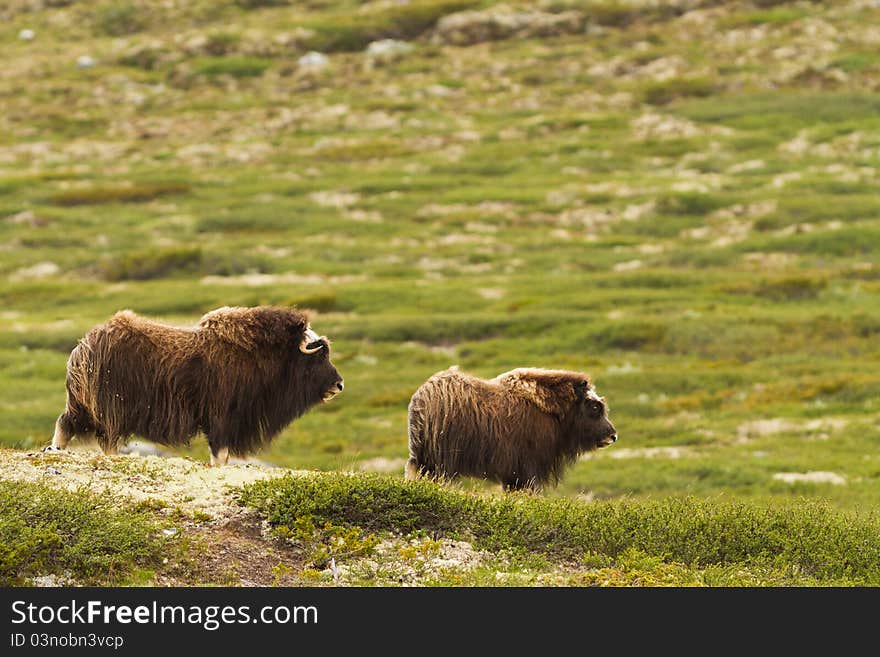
pixel 570 397
pixel 316 357
pixel 589 418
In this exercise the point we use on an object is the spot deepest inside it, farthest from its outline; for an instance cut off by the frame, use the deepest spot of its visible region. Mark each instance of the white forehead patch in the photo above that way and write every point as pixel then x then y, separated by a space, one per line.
pixel 591 394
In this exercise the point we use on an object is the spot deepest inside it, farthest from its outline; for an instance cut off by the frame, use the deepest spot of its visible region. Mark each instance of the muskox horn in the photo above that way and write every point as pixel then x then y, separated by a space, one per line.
pixel 309 337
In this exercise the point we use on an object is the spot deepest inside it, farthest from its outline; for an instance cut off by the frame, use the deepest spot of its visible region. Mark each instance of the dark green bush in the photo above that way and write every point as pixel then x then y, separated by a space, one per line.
pixel 236 66
pixel 256 4
pixel 139 193
pixel 689 203
pixel 788 288
pixel 628 335
pixel 145 265
pixel 353 32
pixel 663 93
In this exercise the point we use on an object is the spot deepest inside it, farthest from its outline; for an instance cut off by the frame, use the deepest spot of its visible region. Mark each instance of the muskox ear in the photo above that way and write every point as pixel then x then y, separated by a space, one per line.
pixel 580 391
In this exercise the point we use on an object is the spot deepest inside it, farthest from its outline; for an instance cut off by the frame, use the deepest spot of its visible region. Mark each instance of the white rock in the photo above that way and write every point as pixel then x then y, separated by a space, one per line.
pixel 27 35
pixel 39 270
pixel 820 477
pixel 313 61
pixel 85 61
pixel 23 217
pixel 387 50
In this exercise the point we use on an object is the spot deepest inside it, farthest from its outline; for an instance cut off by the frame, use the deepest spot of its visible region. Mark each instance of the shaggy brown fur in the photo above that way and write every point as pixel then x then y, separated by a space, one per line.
pixel 521 428
pixel 239 376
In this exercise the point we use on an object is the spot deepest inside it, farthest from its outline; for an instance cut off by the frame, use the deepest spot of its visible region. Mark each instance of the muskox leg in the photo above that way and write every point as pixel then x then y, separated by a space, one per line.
pixel 220 456
pixel 518 484
pixel 415 471
pixel 108 441
pixel 219 447
pixel 412 471
pixel 64 431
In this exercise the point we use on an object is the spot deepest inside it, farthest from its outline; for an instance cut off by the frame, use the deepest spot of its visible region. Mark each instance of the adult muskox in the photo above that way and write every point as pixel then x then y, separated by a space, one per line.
pixel 239 376
pixel 521 428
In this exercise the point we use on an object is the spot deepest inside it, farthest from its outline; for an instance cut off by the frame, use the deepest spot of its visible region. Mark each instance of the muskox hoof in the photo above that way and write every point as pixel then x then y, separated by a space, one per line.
pixel 52 448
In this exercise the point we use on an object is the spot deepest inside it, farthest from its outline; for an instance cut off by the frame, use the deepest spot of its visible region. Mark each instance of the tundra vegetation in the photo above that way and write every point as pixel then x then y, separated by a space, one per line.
pixel 679 200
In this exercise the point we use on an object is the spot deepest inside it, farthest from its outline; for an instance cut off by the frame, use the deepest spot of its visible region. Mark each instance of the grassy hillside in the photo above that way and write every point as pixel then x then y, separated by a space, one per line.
pixel 175 522
pixel 680 200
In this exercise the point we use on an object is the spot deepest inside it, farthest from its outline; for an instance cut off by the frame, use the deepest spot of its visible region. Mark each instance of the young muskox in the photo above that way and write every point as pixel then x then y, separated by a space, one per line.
pixel 239 376
pixel 521 428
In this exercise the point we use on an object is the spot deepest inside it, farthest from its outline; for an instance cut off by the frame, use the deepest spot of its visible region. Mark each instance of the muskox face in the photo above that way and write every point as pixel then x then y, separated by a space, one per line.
pixel 590 418
pixel 323 375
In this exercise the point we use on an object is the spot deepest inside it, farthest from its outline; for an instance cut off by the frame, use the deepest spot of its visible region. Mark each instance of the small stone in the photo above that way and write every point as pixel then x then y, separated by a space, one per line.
pixel 39 270
pixel 313 61
pixel 85 61
pixel 27 35
pixel 387 50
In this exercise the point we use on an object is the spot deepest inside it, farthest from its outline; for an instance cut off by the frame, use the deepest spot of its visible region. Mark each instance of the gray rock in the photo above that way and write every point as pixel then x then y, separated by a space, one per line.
pixel 313 61
pixel 502 22
pixel 386 51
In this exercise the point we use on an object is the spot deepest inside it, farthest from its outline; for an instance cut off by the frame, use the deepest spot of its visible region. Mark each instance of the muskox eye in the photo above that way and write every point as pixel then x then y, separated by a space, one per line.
pixel 596 409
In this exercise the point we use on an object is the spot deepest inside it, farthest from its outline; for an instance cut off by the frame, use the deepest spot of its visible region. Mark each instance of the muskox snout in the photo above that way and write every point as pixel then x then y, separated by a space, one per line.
pixel 608 440
pixel 334 390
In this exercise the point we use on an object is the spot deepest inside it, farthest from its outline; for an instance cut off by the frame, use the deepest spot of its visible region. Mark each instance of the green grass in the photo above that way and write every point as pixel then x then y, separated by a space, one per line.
pixel 808 541
pixel 74 535
pixel 690 219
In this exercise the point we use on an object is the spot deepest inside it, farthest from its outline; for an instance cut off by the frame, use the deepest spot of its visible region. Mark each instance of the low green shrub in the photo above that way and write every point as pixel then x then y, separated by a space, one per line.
pixel 806 537
pixel 352 32
pixel 152 263
pixel 237 66
pixel 663 93
pixel 73 534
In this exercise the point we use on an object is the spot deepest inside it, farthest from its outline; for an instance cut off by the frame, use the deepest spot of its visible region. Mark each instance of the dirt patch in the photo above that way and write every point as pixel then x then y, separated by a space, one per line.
pixel 234 552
